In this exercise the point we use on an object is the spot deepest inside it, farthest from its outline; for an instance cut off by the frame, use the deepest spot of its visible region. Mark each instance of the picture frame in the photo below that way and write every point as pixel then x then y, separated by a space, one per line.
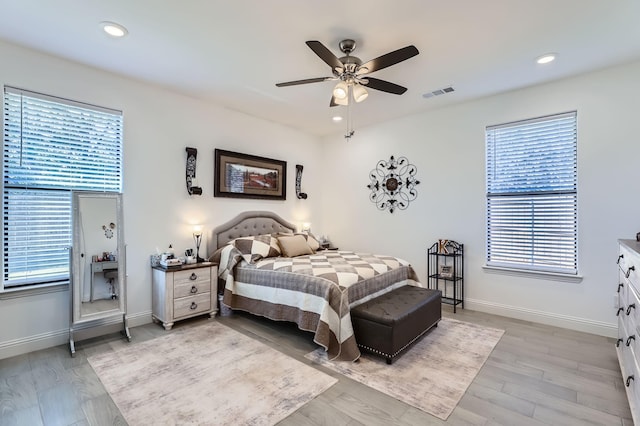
pixel 445 271
pixel 238 175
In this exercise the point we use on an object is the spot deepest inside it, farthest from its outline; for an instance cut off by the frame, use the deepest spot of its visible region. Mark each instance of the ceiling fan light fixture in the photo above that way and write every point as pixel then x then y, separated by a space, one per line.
pixel 344 101
pixel 336 118
pixel 359 93
pixel 340 91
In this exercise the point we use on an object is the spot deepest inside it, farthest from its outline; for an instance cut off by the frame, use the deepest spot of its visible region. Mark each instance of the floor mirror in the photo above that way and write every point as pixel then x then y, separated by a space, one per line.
pixel 98 264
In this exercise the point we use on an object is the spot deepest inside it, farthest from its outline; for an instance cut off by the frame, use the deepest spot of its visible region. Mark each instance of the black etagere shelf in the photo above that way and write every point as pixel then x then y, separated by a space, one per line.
pixel 445 271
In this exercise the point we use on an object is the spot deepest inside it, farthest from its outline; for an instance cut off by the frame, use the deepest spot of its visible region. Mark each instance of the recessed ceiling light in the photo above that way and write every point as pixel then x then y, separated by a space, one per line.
pixel 546 58
pixel 113 29
pixel 337 118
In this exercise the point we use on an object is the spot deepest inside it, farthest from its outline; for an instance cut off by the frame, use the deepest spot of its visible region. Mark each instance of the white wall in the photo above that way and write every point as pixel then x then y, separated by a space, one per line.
pixel 446 145
pixel 448 148
pixel 158 125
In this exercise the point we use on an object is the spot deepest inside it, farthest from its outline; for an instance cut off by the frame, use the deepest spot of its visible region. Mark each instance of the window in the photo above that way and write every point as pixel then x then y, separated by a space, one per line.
pixel 51 146
pixel 532 194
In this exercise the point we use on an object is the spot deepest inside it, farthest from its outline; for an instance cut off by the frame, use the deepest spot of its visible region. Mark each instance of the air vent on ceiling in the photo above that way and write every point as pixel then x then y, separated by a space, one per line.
pixel 438 92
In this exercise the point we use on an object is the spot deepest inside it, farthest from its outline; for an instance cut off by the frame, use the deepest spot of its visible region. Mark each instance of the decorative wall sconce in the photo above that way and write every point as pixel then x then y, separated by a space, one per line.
pixel 300 195
pixel 192 187
pixel 393 184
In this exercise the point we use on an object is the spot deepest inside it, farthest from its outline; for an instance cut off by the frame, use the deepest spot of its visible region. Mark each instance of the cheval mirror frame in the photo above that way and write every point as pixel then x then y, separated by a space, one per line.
pixel 98 264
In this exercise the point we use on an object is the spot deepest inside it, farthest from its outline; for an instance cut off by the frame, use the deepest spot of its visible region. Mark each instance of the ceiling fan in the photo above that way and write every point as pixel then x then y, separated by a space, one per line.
pixel 353 74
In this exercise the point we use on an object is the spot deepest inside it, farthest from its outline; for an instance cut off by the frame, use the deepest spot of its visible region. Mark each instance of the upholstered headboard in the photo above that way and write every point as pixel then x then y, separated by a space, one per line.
pixel 245 225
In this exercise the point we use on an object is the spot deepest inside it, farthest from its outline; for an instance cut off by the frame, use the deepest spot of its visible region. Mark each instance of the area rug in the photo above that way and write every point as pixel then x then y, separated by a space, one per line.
pixel 434 374
pixel 208 374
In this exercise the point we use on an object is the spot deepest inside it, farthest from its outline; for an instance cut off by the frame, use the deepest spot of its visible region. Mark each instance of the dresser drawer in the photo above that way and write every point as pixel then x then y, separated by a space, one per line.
pixel 629 370
pixel 629 264
pixel 191 276
pixel 191 288
pixel 192 305
pixel 631 322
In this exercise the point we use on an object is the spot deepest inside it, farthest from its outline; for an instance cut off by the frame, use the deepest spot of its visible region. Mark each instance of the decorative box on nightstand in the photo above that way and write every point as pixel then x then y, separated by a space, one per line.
pixel 183 292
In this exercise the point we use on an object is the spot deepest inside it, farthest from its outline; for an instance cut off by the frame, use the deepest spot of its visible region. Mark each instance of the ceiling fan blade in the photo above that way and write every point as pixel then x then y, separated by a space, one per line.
pixel 308 80
pixel 325 54
pixel 385 86
pixel 389 59
pixel 333 102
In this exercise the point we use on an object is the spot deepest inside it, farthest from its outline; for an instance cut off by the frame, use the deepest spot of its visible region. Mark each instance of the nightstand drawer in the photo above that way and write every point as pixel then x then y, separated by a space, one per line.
pixel 184 289
pixel 191 276
pixel 188 306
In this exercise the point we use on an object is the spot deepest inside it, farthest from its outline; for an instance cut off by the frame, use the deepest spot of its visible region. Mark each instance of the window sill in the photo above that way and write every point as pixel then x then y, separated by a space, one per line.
pixel 550 276
pixel 15 293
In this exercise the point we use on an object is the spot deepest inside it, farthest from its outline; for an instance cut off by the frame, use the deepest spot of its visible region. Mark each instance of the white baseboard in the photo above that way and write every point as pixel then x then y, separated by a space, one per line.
pixel 37 342
pixel 557 320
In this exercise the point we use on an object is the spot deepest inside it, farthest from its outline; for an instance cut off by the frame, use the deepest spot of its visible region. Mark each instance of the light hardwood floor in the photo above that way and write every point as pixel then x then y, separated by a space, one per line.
pixel 536 375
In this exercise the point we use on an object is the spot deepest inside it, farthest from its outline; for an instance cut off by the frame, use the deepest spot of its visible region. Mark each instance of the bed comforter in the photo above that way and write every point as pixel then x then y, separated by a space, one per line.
pixel 314 291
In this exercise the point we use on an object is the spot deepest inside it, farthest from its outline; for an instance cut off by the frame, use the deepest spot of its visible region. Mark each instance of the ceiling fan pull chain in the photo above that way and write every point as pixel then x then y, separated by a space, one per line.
pixel 350 130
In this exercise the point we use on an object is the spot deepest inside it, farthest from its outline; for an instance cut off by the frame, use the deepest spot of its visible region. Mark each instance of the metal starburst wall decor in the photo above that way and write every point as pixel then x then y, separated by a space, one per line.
pixel 393 184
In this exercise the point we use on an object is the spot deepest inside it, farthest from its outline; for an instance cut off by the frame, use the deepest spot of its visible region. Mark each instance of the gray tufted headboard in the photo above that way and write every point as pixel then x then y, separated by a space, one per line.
pixel 245 225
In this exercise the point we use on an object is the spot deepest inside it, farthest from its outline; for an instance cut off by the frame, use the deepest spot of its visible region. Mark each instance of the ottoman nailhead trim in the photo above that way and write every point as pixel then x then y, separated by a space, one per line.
pixel 376 351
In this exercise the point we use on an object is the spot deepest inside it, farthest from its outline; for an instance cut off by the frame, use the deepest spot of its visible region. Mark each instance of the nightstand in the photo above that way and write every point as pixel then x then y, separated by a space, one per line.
pixel 183 292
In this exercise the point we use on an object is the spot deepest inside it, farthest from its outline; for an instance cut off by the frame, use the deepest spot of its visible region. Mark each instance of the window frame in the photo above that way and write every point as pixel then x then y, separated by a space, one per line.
pixel 566 268
pixel 84 144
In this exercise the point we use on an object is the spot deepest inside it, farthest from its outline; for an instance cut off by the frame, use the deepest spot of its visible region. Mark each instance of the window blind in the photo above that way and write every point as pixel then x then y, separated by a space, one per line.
pixel 532 194
pixel 51 146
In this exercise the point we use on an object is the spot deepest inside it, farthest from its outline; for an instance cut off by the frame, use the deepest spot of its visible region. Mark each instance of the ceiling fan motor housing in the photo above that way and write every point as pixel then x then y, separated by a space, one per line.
pixel 347 46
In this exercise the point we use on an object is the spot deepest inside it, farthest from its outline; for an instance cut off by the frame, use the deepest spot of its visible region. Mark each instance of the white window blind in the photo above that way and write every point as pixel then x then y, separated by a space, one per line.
pixel 532 194
pixel 51 146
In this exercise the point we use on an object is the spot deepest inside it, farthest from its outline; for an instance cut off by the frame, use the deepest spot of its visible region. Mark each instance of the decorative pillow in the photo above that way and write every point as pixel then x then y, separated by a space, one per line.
pixel 258 247
pixel 311 240
pixel 294 245
pixel 215 257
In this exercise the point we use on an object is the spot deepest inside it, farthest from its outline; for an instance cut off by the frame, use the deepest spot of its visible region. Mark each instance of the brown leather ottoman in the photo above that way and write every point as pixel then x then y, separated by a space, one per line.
pixel 388 324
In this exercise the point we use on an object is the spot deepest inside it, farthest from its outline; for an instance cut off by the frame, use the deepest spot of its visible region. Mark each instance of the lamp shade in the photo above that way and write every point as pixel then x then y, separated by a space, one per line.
pixel 359 93
pixel 344 101
pixel 341 90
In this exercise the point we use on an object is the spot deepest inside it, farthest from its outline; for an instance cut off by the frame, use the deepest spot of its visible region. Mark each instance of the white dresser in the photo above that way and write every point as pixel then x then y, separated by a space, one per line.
pixel 628 313
pixel 184 292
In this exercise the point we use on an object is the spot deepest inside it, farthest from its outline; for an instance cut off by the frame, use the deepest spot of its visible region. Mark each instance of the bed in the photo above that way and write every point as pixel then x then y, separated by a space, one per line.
pixel 316 290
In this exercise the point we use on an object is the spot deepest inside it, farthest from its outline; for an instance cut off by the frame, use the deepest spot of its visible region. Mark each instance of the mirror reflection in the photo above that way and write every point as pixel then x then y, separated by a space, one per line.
pixel 96 250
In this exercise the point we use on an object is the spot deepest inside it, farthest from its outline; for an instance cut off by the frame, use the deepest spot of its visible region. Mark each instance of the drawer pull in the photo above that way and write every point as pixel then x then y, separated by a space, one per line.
pixel 618 342
pixel 629 339
pixel 194 289
pixel 194 277
pixel 631 268
pixel 620 286
pixel 629 379
pixel 620 257
pixel 194 306
pixel 633 305
pixel 619 310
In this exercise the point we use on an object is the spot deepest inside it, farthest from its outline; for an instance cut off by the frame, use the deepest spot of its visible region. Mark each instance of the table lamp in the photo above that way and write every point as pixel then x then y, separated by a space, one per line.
pixel 197 236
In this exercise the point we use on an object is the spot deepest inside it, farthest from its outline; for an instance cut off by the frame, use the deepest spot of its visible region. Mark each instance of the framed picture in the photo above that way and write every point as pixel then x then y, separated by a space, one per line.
pixel 446 271
pixel 248 176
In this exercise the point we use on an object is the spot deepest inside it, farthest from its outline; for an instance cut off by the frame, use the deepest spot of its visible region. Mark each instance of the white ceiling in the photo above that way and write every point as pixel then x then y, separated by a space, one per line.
pixel 233 52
